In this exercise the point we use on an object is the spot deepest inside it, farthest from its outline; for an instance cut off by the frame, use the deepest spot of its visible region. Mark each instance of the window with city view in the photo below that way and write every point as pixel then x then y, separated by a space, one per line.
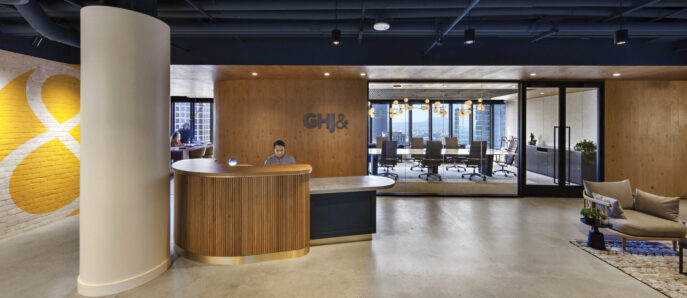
pixel 420 122
pixel 379 125
pixel 488 125
pixel 197 113
pixel 400 129
pixel 461 126
pixel 440 125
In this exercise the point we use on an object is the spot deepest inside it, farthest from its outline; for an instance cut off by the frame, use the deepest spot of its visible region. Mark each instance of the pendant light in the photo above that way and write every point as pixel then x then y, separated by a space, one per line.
pixel 336 33
pixel 336 37
pixel 469 36
pixel 621 35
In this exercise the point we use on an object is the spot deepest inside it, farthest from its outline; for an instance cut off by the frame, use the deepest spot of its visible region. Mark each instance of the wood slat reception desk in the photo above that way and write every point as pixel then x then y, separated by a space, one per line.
pixel 233 215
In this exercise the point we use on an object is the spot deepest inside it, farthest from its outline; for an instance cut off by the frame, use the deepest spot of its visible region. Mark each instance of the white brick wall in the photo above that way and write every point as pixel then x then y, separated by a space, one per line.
pixel 14 220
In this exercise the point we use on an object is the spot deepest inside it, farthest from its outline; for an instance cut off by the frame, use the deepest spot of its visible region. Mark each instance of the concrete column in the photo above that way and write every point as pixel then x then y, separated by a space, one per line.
pixel 124 220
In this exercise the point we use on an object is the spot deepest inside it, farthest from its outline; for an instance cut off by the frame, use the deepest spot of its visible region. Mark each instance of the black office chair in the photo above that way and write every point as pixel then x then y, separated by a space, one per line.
pixel 432 160
pixel 417 143
pixel 388 159
pixel 478 153
pixel 509 159
pixel 452 143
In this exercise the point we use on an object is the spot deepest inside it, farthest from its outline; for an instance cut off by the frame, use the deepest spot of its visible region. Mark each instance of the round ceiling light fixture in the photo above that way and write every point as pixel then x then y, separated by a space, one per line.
pixel 616 74
pixel 381 25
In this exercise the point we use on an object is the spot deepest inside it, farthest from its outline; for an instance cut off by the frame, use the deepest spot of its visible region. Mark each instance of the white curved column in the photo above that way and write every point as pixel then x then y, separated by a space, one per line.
pixel 124 220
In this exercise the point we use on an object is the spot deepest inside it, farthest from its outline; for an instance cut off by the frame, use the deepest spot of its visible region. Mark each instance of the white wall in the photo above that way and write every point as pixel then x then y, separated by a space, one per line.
pixel 581 116
pixel 124 221
pixel 511 118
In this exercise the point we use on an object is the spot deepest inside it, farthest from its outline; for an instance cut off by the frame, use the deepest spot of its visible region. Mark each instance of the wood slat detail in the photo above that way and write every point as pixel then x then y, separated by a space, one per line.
pixel 241 216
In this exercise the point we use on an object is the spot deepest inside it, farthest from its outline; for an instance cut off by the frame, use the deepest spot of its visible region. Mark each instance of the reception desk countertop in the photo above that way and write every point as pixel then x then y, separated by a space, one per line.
pixel 208 167
pixel 349 184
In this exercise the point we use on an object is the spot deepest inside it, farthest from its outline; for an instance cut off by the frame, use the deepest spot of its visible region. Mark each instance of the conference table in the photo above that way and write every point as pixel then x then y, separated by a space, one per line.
pixel 486 169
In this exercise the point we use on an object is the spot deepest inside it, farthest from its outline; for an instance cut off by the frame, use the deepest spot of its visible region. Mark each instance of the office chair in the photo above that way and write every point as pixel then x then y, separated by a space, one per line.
pixel 196 153
pixel 452 143
pixel 478 153
pixel 208 152
pixel 432 160
pixel 417 143
pixel 509 158
pixel 388 159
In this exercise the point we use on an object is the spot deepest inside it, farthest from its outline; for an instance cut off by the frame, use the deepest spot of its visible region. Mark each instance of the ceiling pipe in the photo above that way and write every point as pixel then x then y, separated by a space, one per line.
pixel 631 10
pixel 545 35
pixel 202 11
pixel 41 23
pixel 14 2
pixel 671 15
pixel 211 5
pixel 438 40
pixel 65 11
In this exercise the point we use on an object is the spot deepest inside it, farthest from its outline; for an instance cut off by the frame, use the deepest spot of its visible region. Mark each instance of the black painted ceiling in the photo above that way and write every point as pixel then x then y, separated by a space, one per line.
pixel 509 32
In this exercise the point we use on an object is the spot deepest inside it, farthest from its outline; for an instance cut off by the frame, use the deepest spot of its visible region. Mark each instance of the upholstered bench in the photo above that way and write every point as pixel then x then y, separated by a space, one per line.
pixel 640 216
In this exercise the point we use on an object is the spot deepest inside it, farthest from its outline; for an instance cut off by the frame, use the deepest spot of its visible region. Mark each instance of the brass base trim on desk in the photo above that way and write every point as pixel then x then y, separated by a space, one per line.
pixel 342 239
pixel 242 259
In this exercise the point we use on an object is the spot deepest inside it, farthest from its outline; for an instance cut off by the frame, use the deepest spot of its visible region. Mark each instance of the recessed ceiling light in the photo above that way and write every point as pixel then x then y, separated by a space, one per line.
pixel 362 74
pixel 381 25
pixel 326 74
pixel 534 74
pixel 444 86
pixel 541 93
pixel 255 74
pixel 616 74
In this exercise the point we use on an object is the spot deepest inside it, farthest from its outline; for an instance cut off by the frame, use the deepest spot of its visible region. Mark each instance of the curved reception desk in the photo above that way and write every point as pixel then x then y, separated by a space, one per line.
pixel 234 215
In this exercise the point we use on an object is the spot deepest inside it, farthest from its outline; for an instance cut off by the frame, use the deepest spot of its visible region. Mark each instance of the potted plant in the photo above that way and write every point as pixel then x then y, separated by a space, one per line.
pixel 604 217
pixel 587 151
pixel 590 215
pixel 585 146
pixel 532 141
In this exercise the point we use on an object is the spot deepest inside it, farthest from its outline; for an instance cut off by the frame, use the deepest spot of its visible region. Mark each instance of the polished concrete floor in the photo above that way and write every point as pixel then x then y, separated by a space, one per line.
pixel 424 247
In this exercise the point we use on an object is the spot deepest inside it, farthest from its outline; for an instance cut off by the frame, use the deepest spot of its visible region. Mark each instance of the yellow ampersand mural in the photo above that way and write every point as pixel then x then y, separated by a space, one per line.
pixel 39 140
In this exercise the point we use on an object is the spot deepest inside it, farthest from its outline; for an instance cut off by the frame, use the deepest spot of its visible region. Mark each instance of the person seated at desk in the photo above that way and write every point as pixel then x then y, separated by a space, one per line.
pixel 176 140
pixel 279 157
pixel 186 134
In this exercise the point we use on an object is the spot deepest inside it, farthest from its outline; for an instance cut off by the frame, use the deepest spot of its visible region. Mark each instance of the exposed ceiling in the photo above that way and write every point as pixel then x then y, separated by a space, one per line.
pixel 219 31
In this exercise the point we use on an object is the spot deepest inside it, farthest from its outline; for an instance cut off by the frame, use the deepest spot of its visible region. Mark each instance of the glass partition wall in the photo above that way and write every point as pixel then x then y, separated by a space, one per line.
pixel 562 148
pixel 475 124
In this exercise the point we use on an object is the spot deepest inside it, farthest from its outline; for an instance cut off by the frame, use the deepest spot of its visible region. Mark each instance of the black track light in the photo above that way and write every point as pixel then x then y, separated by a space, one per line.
pixel 336 36
pixel 621 37
pixel 469 36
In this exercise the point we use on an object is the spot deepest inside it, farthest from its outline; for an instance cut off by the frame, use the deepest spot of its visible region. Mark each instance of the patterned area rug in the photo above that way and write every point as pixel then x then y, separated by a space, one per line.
pixel 653 263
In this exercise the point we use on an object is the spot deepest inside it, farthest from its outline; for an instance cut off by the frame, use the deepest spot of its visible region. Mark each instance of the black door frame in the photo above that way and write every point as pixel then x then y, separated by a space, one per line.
pixel 560 190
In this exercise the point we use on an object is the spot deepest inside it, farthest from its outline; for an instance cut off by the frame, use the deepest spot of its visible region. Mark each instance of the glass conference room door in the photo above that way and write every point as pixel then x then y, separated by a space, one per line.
pixel 561 137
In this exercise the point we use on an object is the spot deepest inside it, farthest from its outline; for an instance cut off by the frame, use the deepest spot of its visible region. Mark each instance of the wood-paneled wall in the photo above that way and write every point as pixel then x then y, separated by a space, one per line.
pixel 646 135
pixel 251 114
